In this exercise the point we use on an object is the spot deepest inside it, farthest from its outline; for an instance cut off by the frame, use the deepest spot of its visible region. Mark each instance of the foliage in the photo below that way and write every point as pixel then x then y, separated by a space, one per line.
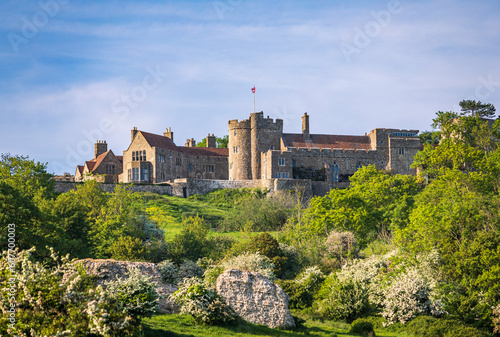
pixel 303 289
pixel 260 213
pixel 342 299
pixel 128 248
pixel 221 142
pixel 426 326
pixel 135 293
pixel 60 297
pixel 496 319
pixel 168 271
pixel 218 246
pixel 375 203
pixel 190 243
pixel 430 137
pixel 341 245
pixel 363 327
pixel 255 262
pixel 312 173
pixel 29 178
pixel 409 296
pixel 189 269
pixel 203 304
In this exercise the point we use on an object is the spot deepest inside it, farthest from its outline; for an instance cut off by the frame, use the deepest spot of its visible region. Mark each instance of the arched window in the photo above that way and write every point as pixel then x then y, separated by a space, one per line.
pixel 335 171
pixel 358 166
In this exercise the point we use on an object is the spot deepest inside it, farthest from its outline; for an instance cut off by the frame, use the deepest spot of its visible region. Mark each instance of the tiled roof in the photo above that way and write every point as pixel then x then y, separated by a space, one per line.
pixel 165 143
pixel 159 141
pixel 203 151
pixel 327 141
pixel 90 164
pixel 80 168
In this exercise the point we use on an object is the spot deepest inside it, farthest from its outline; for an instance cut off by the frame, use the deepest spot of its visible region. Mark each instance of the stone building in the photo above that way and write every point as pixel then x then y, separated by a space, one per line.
pixel 104 167
pixel 154 158
pixel 259 149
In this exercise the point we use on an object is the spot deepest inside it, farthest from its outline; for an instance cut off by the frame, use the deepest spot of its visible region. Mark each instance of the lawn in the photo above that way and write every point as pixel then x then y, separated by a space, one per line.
pixel 180 325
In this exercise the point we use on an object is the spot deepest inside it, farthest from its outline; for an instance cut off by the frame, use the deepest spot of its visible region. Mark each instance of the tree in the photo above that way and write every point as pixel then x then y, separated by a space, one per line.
pixel 477 109
pixel 221 142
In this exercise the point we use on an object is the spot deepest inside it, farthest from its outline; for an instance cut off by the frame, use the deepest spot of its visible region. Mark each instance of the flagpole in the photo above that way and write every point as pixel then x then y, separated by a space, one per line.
pixel 253 98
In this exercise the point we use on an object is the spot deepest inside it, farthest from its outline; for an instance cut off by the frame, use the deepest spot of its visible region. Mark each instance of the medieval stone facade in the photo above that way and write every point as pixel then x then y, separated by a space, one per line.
pixel 259 149
pixel 154 158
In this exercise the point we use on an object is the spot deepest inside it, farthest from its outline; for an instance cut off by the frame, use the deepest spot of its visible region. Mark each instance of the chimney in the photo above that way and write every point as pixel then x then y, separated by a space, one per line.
pixel 190 143
pixel 169 134
pixel 133 133
pixel 211 142
pixel 100 148
pixel 305 126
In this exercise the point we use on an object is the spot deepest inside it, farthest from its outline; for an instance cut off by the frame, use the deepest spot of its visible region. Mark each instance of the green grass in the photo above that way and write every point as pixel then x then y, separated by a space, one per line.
pixel 183 326
pixel 169 211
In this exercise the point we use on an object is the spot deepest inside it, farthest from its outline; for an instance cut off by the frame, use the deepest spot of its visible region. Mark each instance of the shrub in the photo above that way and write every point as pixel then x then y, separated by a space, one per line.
pixel 136 294
pixel 191 242
pixel 426 326
pixel 128 248
pixel 168 271
pixel 218 246
pixel 251 262
pixel 496 319
pixel 58 297
pixel 409 296
pixel 363 327
pixel 303 289
pixel 203 304
pixel 211 274
pixel 341 245
pixel 189 269
pixel 342 299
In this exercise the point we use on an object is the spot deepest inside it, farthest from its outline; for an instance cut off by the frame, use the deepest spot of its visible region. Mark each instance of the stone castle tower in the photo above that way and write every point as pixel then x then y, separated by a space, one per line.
pixel 247 140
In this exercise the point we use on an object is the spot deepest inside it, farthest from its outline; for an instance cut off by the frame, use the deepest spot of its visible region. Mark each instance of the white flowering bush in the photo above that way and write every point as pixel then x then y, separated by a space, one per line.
pixel 57 298
pixel 409 296
pixel 168 271
pixel 302 289
pixel 136 294
pixel 496 319
pixel 310 278
pixel 202 303
pixel 255 262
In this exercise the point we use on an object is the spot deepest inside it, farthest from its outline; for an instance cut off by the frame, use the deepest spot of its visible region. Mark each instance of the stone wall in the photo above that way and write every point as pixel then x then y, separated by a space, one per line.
pixel 63 187
pixel 110 270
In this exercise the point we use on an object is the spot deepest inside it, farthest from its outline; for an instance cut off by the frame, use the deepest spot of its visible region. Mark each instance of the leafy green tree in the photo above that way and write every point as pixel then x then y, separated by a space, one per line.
pixel 30 178
pixel 430 137
pixel 190 243
pixel 477 109
pixel 127 248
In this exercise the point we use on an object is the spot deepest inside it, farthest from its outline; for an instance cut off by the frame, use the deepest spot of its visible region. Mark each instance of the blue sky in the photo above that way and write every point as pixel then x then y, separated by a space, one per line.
pixel 75 71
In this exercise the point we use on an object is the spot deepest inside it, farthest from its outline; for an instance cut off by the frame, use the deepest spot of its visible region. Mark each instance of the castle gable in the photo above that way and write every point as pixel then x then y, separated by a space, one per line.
pixel 297 140
pixel 159 141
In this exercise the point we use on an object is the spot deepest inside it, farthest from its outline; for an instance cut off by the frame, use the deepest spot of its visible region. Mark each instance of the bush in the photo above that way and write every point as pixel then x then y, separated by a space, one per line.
pixel 128 248
pixel 136 294
pixel 342 299
pixel 341 245
pixel 59 297
pixel 496 319
pixel 189 269
pixel 218 246
pixel 168 271
pixel 409 296
pixel 362 327
pixel 203 304
pixel 251 262
pixel 191 242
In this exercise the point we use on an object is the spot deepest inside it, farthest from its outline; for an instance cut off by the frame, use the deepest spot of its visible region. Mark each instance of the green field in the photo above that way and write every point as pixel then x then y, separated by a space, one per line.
pixel 180 325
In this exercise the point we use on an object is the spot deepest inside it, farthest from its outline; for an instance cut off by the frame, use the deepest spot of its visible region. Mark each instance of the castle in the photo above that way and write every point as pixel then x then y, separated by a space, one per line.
pixel 258 149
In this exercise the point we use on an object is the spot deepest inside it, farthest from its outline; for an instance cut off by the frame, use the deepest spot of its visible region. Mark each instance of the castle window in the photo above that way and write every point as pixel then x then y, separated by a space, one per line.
pixel 178 161
pixel 235 133
pixel 358 166
pixel 231 165
pixel 190 168
pixel 285 175
pixel 129 175
pixel 135 174
pixel 209 168
pixel 143 156
pixel 272 147
pixel 110 169
pixel 144 174
pixel 281 161
pixel 161 158
pixel 294 163
pixel 335 172
pixel 278 175
pixel 401 151
pixel 236 149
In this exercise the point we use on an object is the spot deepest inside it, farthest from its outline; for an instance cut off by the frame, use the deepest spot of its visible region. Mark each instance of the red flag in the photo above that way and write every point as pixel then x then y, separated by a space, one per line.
pixel 253 90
